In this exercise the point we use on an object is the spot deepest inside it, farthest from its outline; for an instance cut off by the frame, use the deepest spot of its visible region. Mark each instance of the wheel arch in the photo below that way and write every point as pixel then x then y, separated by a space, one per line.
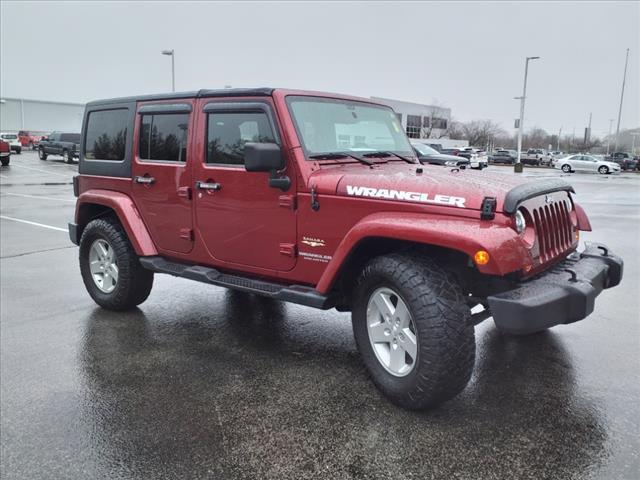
pixel 452 239
pixel 94 204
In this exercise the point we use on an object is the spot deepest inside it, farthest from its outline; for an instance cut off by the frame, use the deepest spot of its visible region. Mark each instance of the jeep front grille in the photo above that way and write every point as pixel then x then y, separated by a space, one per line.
pixel 554 229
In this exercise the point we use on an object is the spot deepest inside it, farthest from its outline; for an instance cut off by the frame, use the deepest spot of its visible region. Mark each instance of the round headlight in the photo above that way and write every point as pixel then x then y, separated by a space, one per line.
pixel 520 222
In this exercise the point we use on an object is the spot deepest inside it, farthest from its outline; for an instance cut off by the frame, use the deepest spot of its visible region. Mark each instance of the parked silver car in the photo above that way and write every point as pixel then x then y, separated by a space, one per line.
pixel 586 163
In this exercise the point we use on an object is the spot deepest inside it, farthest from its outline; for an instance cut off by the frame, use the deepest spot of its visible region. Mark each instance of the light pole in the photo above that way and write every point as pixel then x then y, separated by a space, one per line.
pixel 633 143
pixel 624 79
pixel 609 136
pixel 518 166
pixel 559 135
pixel 173 68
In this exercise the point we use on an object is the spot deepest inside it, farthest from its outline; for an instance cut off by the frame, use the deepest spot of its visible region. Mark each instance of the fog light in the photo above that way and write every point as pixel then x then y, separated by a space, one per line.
pixel 481 257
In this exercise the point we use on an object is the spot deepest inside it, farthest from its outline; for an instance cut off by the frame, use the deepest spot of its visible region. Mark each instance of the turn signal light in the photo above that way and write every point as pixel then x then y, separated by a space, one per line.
pixel 577 235
pixel 481 257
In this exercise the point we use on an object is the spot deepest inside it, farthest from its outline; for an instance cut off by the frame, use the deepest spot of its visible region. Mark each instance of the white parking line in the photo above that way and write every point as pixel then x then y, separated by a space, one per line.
pixel 40 170
pixel 19 220
pixel 39 197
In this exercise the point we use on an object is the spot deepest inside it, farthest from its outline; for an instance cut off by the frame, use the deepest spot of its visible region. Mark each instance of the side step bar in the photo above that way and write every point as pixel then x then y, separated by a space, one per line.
pixel 293 293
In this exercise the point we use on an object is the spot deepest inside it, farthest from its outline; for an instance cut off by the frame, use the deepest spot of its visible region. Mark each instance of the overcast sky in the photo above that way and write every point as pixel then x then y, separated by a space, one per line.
pixel 468 56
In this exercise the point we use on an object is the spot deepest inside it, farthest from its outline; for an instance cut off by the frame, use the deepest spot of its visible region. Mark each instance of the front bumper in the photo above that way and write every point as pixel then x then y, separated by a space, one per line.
pixel 564 294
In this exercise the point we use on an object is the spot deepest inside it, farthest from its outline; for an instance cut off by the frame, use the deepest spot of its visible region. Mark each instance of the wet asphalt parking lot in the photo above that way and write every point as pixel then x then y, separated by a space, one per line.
pixel 200 382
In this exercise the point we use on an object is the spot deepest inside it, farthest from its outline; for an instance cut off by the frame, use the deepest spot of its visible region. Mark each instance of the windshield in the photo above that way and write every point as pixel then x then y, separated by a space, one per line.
pixel 425 149
pixel 331 125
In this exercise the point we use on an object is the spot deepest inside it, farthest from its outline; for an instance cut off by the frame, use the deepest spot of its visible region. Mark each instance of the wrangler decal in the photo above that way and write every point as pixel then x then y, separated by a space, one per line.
pixel 405 196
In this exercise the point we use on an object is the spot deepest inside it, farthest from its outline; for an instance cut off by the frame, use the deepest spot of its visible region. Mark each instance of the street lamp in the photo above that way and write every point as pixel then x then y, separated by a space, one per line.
pixel 609 136
pixel 633 143
pixel 518 166
pixel 173 70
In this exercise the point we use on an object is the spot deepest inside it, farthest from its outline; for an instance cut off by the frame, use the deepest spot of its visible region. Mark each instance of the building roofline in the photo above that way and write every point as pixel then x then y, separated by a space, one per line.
pixel 42 101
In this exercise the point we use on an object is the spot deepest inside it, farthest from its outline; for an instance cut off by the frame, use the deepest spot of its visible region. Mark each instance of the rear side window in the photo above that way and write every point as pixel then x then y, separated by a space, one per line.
pixel 227 134
pixel 70 137
pixel 164 137
pixel 106 135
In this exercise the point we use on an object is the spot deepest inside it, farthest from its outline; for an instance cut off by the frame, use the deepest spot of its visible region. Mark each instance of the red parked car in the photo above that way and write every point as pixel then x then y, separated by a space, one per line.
pixel 30 139
pixel 319 199
pixel 5 153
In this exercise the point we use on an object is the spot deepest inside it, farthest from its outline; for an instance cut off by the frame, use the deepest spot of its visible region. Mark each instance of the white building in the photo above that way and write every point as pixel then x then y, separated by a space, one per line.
pixel 419 120
pixel 39 115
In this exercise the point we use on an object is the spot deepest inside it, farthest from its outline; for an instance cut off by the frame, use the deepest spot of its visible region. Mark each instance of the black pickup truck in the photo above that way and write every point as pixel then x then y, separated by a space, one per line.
pixel 60 143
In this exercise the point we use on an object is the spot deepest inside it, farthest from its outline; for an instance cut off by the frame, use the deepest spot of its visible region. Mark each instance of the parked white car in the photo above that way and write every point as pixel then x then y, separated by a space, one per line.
pixel 586 163
pixel 478 158
pixel 13 141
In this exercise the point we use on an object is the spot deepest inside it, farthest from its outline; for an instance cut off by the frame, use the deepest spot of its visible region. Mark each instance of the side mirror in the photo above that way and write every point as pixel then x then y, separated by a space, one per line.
pixel 263 157
pixel 266 157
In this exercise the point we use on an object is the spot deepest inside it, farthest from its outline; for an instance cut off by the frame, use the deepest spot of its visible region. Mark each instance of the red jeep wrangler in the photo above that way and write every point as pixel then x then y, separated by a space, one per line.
pixel 318 199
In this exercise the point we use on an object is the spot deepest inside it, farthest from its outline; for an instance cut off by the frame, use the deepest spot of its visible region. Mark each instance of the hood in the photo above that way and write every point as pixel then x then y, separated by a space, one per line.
pixel 464 188
pixel 441 158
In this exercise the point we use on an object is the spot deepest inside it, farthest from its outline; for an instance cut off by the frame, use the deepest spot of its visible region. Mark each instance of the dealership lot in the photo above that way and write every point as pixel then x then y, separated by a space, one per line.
pixel 201 382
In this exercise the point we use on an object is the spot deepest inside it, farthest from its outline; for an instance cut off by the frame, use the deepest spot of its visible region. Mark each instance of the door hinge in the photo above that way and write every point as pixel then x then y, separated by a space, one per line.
pixel 288 201
pixel 185 192
pixel 187 234
pixel 288 249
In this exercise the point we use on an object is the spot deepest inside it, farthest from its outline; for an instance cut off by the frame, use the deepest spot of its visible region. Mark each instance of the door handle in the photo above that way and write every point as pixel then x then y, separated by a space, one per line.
pixel 144 180
pixel 208 186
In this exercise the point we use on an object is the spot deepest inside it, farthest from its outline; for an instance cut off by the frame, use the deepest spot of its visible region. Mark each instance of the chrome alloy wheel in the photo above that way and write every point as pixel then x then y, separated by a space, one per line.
pixel 392 332
pixel 103 265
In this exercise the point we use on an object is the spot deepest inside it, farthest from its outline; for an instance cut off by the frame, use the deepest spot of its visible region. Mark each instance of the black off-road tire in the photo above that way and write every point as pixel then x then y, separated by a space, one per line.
pixel 134 281
pixel 444 332
pixel 5 161
pixel 41 154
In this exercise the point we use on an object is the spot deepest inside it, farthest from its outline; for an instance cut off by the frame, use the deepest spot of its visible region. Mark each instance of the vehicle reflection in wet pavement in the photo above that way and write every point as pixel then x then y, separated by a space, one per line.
pixel 257 391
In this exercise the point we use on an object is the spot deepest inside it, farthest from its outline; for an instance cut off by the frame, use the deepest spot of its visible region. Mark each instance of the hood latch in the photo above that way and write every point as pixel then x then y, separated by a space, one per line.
pixel 488 208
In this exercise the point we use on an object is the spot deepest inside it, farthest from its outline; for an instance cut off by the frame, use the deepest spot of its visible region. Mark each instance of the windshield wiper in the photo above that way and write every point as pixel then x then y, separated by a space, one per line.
pixel 338 155
pixel 389 154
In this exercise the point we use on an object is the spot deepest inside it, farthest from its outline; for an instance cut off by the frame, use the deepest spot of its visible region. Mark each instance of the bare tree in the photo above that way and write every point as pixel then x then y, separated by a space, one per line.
pixel 481 132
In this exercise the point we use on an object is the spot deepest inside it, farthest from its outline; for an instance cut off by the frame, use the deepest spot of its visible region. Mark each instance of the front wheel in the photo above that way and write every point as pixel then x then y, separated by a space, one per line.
pixel 603 170
pixel 110 267
pixel 5 161
pixel 41 154
pixel 66 157
pixel 413 330
pixel 18 151
pixel 566 168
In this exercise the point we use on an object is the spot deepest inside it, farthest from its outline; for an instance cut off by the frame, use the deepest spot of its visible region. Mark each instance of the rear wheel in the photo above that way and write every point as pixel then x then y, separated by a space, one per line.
pixel 412 328
pixel 41 154
pixel 19 150
pixel 5 161
pixel 603 170
pixel 110 267
pixel 566 168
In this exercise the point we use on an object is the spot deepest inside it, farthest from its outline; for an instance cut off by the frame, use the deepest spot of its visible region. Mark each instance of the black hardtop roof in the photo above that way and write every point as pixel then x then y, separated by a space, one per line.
pixel 227 92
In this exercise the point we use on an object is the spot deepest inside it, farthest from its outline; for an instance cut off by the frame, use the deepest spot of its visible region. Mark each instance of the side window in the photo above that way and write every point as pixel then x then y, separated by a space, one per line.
pixel 106 135
pixel 228 132
pixel 164 137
